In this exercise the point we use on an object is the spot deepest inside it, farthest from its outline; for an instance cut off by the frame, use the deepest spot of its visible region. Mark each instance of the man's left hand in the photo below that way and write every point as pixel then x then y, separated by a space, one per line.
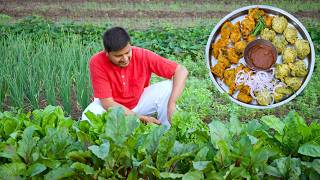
pixel 171 110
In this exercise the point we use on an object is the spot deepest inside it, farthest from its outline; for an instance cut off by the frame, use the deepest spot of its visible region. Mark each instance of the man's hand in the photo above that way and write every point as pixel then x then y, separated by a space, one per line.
pixel 171 110
pixel 149 119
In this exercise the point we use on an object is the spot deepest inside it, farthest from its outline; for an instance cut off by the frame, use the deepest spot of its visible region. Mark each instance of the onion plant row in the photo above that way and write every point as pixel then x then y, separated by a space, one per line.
pixel 36 70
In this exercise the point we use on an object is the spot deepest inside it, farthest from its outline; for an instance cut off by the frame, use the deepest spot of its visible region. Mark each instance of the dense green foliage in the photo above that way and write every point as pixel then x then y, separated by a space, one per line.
pixel 45 144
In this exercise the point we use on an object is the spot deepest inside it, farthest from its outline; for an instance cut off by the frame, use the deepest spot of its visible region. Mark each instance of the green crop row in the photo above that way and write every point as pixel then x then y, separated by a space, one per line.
pixel 46 145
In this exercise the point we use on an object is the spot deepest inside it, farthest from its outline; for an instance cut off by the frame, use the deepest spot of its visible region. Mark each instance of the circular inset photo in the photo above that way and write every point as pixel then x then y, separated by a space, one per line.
pixel 262 56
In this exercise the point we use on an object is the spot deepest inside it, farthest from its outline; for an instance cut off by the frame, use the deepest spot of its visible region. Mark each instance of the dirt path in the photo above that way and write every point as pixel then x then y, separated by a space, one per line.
pixel 56 14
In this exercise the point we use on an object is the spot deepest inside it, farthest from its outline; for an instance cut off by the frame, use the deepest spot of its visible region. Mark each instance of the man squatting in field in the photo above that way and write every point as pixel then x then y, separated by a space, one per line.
pixel 120 77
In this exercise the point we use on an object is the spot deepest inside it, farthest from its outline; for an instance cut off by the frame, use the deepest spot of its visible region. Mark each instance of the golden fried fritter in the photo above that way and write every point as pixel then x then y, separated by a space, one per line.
pixel 229 76
pixel 226 30
pixel 244 98
pixel 224 60
pixel 218 69
pixel 268 20
pixel 245 89
pixel 232 55
pixel 247 25
pixel 244 94
pixel 251 37
pixel 256 13
pixel 239 47
pixel 235 35
pixel 228 79
pixel 219 46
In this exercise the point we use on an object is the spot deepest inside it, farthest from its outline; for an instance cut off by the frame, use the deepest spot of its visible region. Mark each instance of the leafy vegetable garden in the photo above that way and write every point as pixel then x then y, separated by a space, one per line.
pixel 44 86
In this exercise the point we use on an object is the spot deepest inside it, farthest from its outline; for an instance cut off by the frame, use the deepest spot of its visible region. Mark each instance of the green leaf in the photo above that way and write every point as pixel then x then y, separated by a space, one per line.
pixel 9 151
pixel 253 139
pixel 9 126
pixel 170 175
pixel 285 167
pixel 101 151
pixel 192 175
pixel 95 120
pixel 67 123
pixel 12 170
pixel 235 125
pixel 133 175
pixel 239 172
pixel 118 127
pixel 218 132
pixel 153 138
pixel 27 144
pixel 274 123
pixel 36 169
pixel 84 139
pixel 79 156
pixel 202 154
pixel 223 153
pixel 165 146
pixel 316 165
pixel 82 168
pixel 59 173
pixel 310 149
pixel 180 148
pixel 200 165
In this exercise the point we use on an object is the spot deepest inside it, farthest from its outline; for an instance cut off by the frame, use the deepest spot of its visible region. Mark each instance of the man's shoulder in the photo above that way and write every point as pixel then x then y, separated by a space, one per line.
pixel 139 51
pixel 98 58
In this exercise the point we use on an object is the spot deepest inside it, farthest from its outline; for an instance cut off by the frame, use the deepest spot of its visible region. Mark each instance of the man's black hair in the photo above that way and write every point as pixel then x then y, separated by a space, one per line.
pixel 115 39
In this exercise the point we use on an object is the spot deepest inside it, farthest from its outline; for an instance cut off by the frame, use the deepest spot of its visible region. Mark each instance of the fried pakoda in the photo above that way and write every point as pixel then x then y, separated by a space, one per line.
pixel 251 37
pixel 293 82
pixel 228 78
pixel 282 71
pixel 281 92
pixel 289 55
pixel 256 13
pixel 291 34
pixel 219 46
pixel 235 35
pixel 226 30
pixel 218 69
pixel 239 47
pixel 280 43
pixel 298 69
pixel 247 25
pixel 244 94
pixel 303 48
pixel 232 56
pixel 224 60
pixel 268 34
pixel 264 97
pixel 268 20
pixel 279 24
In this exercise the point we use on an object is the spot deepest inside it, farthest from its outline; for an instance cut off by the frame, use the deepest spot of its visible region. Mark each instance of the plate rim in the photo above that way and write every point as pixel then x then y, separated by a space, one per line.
pixel 239 10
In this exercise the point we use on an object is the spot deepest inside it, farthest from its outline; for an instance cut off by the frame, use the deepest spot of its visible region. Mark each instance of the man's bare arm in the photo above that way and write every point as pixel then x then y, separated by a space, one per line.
pixel 179 81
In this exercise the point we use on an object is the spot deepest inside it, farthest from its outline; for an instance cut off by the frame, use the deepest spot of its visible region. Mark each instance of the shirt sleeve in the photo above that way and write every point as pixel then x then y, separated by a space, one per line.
pixel 99 80
pixel 160 66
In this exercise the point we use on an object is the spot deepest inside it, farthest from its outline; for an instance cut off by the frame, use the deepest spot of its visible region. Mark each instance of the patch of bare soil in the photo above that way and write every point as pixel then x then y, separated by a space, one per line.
pixel 56 14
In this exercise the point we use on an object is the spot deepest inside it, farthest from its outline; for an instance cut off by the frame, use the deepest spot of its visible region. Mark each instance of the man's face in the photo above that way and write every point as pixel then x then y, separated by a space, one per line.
pixel 121 57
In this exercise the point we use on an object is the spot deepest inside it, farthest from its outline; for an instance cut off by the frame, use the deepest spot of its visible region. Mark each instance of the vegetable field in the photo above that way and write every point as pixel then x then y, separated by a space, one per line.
pixel 45 85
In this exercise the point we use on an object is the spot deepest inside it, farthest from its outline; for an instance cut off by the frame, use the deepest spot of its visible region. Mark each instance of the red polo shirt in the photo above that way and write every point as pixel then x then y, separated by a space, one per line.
pixel 125 85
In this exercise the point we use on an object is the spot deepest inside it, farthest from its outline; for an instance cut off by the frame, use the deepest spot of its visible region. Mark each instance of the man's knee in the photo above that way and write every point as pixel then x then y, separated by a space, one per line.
pixel 167 86
pixel 95 107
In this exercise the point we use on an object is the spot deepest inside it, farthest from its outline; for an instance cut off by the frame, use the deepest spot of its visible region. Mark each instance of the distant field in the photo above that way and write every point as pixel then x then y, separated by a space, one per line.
pixel 141 14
